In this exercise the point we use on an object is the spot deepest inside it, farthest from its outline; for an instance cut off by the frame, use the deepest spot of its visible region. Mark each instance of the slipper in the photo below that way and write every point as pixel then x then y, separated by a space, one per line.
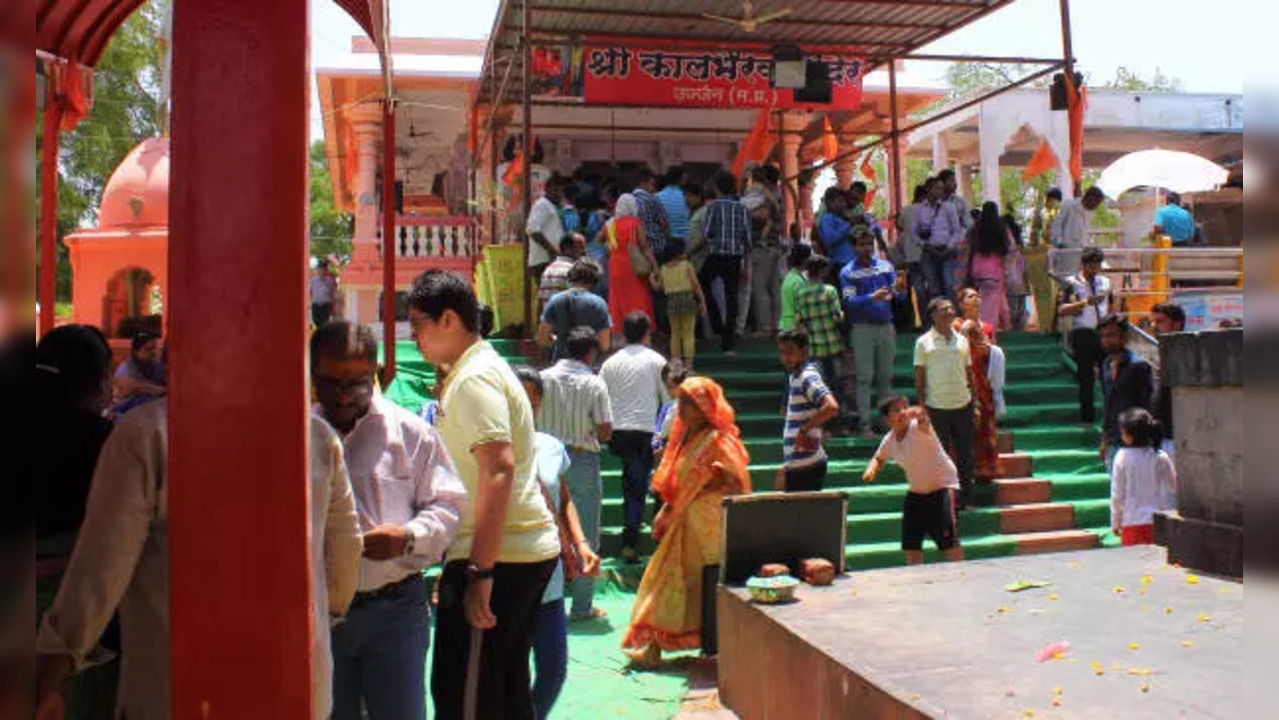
pixel 594 614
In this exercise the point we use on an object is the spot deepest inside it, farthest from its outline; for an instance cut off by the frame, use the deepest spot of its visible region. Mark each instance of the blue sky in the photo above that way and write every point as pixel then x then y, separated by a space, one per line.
pixel 1197 42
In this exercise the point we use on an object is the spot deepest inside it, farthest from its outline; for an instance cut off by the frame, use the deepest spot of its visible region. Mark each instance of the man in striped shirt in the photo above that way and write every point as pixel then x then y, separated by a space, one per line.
pixel 809 405
pixel 727 229
pixel 820 314
pixel 577 412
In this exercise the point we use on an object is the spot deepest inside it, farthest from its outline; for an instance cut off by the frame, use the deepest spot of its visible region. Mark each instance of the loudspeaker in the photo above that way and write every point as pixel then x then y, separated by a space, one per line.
pixel 817 85
pixel 1057 96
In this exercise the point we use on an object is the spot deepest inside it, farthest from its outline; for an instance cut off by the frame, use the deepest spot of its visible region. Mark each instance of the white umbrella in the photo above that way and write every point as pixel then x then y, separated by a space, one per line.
pixel 1180 172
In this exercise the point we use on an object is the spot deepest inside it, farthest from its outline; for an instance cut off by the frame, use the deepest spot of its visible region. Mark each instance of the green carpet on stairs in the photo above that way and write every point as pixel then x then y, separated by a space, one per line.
pixel 1042 400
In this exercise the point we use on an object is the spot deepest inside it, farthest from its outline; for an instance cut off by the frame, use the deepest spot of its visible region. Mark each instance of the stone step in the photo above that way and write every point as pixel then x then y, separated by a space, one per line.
pixel 1055 541
pixel 1015 465
pixel 1036 517
pixel 1007 442
pixel 1020 491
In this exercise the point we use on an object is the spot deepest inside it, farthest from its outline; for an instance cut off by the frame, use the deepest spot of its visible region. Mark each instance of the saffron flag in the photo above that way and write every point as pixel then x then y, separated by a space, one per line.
pixel 868 170
pixel 1041 162
pixel 515 170
pixel 757 145
pixel 1078 98
pixel 830 145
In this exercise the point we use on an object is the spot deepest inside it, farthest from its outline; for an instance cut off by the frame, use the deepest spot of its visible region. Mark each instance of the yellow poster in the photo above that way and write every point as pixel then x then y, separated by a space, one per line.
pixel 499 281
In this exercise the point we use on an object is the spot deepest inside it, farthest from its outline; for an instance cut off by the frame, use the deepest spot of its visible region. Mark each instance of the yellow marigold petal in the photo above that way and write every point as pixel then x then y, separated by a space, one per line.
pixel 1133 646
pixel 1204 618
pixel 1146 579
pixel 1167 610
pixel 1187 643
pixel 1052 596
pixel 1192 579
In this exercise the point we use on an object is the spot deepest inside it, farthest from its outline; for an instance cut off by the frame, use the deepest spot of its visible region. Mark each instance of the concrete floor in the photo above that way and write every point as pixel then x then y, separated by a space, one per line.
pixel 1146 640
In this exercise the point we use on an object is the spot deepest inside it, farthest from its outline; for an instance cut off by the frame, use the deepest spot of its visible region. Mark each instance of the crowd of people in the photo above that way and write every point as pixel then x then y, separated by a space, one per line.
pixel 499 478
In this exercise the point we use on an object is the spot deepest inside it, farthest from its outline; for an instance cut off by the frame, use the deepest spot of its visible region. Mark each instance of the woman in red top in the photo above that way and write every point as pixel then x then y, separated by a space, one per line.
pixel 628 290
pixel 986 455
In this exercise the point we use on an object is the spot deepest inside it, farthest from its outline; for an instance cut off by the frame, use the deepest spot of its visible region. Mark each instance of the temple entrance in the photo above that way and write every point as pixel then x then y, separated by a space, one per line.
pixel 133 303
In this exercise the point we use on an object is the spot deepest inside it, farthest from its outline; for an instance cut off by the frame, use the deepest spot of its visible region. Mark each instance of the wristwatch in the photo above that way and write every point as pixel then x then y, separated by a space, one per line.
pixel 408 544
pixel 474 572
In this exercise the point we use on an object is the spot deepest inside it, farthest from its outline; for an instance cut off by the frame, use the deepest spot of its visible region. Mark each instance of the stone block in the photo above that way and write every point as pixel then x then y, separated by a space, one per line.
pixel 1199 545
pixel 1209 420
pixel 1210 487
pixel 1212 358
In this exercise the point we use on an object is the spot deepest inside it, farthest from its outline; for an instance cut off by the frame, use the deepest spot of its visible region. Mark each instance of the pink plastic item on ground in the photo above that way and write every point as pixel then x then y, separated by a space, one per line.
pixel 1052 651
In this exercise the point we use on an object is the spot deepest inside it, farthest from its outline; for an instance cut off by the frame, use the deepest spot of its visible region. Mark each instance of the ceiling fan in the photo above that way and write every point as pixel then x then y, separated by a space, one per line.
pixel 749 22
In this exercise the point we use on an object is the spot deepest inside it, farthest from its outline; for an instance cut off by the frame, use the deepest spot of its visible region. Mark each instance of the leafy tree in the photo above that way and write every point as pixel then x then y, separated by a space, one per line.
pixel 126 110
pixel 1126 79
pixel 331 229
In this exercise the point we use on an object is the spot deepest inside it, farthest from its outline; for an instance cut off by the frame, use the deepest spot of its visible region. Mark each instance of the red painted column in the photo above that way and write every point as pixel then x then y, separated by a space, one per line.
pixel 49 209
pixel 239 573
pixel 389 241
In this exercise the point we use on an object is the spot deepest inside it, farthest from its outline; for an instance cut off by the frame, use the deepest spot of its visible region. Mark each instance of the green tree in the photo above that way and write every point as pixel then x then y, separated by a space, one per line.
pixel 331 229
pixel 1126 79
pixel 126 110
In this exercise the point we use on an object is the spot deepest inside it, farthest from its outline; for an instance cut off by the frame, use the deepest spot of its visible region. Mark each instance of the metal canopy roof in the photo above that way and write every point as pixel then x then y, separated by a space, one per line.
pixel 880 30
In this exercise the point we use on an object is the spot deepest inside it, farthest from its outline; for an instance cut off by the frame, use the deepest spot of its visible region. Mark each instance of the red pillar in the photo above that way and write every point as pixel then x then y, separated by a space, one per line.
pixel 239 572
pixel 49 209
pixel 389 241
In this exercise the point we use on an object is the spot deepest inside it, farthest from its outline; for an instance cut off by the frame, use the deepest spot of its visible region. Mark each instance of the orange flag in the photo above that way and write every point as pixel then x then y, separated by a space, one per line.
pixel 1078 98
pixel 758 142
pixel 1041 162
pixel 868 169
pixel 77 97
pixel 830 145
pixel 869 199
pixel 515 170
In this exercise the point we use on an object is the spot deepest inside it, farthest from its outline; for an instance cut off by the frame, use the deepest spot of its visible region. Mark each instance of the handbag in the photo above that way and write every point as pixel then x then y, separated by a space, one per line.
pixel 570 558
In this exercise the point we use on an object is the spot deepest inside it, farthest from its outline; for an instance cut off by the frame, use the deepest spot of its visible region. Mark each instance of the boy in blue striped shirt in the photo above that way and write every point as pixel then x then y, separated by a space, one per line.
pixel 810 404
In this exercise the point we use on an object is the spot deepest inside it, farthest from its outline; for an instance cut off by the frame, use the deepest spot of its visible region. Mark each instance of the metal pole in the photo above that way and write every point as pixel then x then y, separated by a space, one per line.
pixel 894 143
pixel 49 205
pixel 528 165
pixel 389 241
pixel 1067 46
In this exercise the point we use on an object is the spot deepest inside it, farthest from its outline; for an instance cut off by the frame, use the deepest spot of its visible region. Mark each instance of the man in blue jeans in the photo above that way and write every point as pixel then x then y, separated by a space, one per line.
pixel 409 499
pixel 577 412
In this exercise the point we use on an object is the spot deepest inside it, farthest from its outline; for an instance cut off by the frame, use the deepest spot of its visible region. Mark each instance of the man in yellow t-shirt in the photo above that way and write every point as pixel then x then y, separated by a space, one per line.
pixel 507 545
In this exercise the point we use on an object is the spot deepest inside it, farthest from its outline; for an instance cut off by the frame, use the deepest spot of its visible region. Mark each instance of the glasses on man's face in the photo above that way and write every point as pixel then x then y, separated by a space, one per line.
pixel 356 389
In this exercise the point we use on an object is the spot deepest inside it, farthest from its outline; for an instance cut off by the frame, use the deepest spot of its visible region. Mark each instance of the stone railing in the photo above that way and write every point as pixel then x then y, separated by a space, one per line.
pixel 435 238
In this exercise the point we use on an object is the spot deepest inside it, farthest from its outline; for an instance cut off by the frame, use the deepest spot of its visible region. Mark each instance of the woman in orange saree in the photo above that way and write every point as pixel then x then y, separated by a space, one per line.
pixel 704 462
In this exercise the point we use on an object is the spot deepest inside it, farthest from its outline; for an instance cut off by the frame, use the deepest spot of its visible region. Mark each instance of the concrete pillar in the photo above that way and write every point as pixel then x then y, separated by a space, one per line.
pixel 793 125
pixel 941 153
pixel 360 301
pixel 990 139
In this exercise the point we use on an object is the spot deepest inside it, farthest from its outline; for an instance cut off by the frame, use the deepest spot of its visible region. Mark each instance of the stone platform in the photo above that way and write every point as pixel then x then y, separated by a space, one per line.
pixel 950 641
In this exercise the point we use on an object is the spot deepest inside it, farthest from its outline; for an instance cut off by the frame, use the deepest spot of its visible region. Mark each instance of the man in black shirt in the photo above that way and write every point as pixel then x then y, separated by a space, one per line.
pixel 1167 317
pixel 1127 381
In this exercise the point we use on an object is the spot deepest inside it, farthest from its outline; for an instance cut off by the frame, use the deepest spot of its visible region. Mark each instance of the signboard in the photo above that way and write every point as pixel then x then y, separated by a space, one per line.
pixel 696 78
pixel 499 278
pixel 1207 310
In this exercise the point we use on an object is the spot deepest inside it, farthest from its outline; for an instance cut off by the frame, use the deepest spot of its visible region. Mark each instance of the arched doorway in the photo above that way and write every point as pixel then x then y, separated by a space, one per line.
pixel 132 303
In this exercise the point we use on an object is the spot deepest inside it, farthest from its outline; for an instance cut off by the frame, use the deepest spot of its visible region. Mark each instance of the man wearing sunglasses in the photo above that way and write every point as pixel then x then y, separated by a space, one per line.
pixel 410 501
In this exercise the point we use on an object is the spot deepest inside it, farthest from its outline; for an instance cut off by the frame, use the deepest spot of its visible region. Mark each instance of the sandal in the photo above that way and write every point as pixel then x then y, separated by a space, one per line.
pixel 645 658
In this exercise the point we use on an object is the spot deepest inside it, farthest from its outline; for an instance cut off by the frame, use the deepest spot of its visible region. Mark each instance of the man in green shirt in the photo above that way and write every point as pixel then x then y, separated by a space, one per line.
pixel 793 283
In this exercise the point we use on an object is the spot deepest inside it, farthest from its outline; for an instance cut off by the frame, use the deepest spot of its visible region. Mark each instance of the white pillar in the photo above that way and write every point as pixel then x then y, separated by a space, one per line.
pixel 964 179
pixel 990 145
pixel 941 154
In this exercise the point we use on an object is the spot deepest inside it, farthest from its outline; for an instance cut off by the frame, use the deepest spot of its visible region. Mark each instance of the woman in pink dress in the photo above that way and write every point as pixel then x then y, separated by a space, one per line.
pixel 628 290
pixel 989 248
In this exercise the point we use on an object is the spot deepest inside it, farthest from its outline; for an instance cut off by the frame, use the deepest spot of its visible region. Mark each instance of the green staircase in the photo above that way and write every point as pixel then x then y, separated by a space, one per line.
pixel 1053 494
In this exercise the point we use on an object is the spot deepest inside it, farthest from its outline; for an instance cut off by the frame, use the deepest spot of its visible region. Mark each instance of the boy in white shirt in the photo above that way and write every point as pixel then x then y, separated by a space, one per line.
pixel 929 507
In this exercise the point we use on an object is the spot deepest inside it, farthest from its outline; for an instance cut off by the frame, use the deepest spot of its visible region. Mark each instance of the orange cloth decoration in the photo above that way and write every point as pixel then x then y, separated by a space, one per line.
pixel 869 198
pixel 758 143
pixel 515 170
pixel 868 170
pixel 695 475
pixel 1041 162
pixel 830 144
pixel 75 98
pixel 1078 99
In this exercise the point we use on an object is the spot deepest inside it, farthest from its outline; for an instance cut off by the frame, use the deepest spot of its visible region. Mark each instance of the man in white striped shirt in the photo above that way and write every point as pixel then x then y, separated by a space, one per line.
pixel 577 412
